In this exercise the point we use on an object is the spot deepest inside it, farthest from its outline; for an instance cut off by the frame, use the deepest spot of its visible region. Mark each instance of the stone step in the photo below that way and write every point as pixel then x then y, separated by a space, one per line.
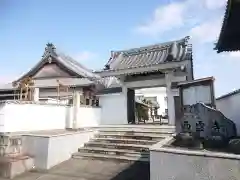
pixel 137 131
pixel 143 136
pixel 111 151
pixel 137 147
pixel 144 155
pixel 108 156
pixel 136 126
pixel 124 141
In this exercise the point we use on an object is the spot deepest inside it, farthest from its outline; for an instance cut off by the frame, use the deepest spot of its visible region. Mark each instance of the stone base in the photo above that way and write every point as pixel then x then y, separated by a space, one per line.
pixel 11 167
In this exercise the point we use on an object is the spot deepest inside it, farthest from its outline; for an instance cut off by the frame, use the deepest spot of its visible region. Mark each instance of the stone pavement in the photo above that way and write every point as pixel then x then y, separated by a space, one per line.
pixel 89 169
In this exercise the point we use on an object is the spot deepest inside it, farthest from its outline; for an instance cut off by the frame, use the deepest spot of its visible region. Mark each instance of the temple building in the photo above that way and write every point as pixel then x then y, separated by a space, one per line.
pixel 229 38
pixel 55 77
pixel 58 77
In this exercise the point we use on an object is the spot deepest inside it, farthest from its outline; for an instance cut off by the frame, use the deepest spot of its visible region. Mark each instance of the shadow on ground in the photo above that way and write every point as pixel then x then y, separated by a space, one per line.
pixel 136 171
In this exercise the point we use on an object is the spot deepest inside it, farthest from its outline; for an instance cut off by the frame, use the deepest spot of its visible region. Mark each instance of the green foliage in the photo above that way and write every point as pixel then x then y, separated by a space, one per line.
pixel 141 112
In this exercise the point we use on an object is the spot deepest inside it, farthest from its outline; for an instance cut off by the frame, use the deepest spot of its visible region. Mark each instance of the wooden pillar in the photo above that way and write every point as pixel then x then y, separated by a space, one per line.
pixel 131 106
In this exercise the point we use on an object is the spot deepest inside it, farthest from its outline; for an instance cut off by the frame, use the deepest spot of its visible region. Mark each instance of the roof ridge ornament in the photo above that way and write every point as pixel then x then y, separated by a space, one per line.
pixel 50 50
pixel 173 50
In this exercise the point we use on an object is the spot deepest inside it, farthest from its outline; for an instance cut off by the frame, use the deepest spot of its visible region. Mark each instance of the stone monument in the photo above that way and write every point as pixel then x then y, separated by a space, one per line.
pixel 204 122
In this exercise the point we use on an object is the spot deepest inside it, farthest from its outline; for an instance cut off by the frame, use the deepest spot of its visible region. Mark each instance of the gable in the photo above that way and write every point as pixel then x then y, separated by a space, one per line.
pixel 55 64
pixel 51 71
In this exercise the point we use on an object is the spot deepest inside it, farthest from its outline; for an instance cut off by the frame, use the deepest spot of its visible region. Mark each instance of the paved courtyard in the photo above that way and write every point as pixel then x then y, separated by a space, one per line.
pixel 88 169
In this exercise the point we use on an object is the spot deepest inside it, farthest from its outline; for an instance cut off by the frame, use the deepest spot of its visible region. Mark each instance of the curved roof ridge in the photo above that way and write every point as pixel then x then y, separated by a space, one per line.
pixel 51 52
pixel 237 91
pixel 150 55
pixel 68 59
pixel 157 45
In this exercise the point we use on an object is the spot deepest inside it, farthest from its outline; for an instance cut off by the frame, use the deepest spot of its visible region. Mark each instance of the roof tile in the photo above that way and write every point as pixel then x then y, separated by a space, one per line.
pixel 150 55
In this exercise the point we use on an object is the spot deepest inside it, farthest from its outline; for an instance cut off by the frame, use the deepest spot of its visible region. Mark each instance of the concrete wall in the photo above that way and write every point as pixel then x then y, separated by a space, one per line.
pixel 87 116
pixel 113 108
pixel 164 165
pixel 229 106
pixel 15 117
pixel 30 117
pixel 48 151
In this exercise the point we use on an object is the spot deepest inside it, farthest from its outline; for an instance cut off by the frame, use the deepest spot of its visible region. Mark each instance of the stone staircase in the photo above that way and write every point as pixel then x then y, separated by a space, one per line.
pixel 130 142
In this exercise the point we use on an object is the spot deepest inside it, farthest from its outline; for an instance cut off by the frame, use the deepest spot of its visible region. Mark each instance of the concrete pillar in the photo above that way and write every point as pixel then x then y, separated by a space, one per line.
pixel 125 106
pixel 36 94
pixel 76 106
pixel 170 98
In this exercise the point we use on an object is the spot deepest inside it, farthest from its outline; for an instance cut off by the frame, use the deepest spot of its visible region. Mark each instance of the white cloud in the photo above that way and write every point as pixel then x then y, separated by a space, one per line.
pixel 235 54
pixel 185 14
pixel 164 18
pixel 85 55
pixel 206 32
pixel 215 4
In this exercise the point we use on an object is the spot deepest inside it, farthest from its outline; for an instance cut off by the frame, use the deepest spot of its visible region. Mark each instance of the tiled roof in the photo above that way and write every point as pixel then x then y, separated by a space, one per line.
pixel 229 94
pixel 150 55
pixel 229 38
pixel 196 81
pixel 71 64
pixel 153 101
pixel 137 100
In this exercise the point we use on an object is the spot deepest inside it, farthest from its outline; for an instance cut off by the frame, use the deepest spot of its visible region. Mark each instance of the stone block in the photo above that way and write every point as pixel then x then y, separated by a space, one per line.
pixel 11 167
pixel 206 122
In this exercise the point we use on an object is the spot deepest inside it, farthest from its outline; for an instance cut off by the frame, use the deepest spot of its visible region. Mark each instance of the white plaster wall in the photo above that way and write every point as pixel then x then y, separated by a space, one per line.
pixel 2 118
pixel 87 116
pixel 36 147
pixel 71 143
pixel 230 107
pixel 113 109
pixel 49 151
pixel 31 117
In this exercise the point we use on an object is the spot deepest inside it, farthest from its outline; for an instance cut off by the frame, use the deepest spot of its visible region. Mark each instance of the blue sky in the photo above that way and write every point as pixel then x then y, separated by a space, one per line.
pixel 88 30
